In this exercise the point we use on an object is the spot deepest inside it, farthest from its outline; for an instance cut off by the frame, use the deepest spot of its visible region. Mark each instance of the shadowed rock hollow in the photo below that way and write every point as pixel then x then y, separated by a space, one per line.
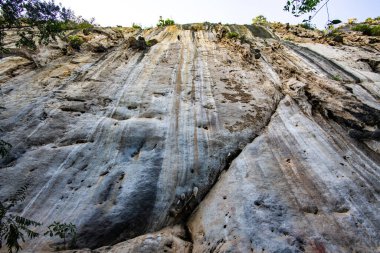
pixel 199 143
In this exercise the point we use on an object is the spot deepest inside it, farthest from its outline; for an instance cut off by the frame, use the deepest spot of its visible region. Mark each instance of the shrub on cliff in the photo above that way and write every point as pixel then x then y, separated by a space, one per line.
pixel 136 26
pixel 352 21
pixel 75 41
pixel 165 22
pixel 307 25
pixel 367 29
pixel 232 35
pixel 260 20
pixel 34 22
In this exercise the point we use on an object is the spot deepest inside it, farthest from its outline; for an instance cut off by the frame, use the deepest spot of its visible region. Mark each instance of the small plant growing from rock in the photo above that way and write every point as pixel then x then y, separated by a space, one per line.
pixel 260 20
pixel 337 78
pixel 232 35
pixel 136 26
pixel 352 21
pixel 165 22
pixel 63 231
pixel 75 41
pixel 151 43
pixel 307 25
pixel 13 227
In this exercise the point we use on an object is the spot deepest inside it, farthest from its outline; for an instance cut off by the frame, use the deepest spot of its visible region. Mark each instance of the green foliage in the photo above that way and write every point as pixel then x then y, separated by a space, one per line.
pixel 32 20
pixel 75 41
pixel 136 26
pixel 367 29
pixel 13 227
pixel 375 30
pixel 77 24
pixel 352 21
pixel 166 22
pixel 307 25
pixel 260 20
pixel 36 22
pixel 151 43
pixel 63 230
pixel 232 35
pixel 336 78
pixel 364 28
pixel 369 21
pixel 299 7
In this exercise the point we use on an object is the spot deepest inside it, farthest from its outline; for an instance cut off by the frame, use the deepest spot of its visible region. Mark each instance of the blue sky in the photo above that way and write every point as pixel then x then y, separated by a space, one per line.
pixel 147 12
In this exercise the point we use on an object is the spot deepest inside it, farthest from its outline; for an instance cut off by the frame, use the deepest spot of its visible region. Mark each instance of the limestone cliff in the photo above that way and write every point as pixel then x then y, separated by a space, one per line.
pixel 203 142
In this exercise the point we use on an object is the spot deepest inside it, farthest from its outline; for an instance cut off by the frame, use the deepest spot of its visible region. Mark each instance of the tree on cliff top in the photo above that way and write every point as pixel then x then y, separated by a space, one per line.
pixel 34 22
pixel 299 7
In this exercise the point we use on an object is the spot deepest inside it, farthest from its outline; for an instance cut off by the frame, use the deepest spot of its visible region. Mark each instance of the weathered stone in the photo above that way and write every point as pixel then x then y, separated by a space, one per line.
pixel 281 184
pixel 128 142
pixel 167 240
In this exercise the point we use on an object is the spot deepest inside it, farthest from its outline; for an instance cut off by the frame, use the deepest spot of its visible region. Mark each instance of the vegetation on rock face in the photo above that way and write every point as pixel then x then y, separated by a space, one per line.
pixel 351 21
pixel 165 22
pixel 78 23
pixel 15 228
pixel 136 26
pixel 35 22
pixel 232 35
pixel 75 41
pixel 64 231
pixel 307 25
pixel 32 20
pixel 151 43
pixel 368 30
pixel 260 20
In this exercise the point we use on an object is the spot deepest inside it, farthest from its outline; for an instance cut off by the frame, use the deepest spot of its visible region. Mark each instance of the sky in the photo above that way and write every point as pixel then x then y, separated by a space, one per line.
pixel 147 12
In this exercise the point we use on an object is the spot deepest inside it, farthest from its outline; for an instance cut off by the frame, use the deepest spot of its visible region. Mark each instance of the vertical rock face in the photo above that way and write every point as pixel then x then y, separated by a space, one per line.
pixel 127 142
pixel 302 186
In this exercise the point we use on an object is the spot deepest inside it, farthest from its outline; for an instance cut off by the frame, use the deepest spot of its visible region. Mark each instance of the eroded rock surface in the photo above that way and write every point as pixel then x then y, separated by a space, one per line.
pixel 302 186
pixel 126 141
pixel 167 240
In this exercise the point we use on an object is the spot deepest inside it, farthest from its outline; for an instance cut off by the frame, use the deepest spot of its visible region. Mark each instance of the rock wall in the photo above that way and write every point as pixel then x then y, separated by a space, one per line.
pixel 127 141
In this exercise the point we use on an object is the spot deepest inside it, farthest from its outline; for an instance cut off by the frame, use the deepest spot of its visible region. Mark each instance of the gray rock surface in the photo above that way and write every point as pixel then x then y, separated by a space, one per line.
pixel 127 142
pixel 167 240
pixel 302 186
